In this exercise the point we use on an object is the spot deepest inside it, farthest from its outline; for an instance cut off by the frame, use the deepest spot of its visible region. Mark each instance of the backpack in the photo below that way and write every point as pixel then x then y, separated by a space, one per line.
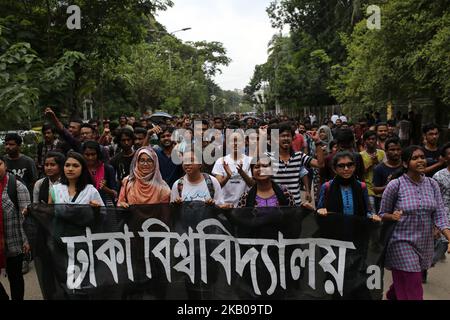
pixel 208 181
pixel 12 190
pixel 29 225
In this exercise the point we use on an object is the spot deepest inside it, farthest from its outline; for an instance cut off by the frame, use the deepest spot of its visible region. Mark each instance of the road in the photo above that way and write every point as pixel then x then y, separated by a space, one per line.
pixel 437 287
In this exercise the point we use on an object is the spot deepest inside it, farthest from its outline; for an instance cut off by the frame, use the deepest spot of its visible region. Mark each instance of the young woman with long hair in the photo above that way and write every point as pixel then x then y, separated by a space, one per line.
pixel 415 202
pixel 76 185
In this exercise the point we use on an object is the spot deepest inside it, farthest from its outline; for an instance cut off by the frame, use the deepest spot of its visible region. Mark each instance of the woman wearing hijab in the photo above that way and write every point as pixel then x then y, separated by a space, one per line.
pixel 326 137
pixel 144 185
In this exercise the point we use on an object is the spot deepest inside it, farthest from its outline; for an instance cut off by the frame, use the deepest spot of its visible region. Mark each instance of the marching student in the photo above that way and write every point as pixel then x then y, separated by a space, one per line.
pixel 144 185
pixel 195 185
pixel 13 240
pixel 415 202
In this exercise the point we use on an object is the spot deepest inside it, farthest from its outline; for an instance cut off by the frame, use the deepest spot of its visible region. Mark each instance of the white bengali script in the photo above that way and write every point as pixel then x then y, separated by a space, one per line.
pixel 116 249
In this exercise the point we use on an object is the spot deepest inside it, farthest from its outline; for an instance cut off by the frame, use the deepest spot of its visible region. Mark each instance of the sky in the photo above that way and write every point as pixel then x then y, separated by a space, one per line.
pixel 243 26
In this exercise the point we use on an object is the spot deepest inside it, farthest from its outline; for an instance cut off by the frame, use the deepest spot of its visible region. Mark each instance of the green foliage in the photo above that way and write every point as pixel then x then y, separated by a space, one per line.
pixel 330 56
pixel 115 60
pixel 408 58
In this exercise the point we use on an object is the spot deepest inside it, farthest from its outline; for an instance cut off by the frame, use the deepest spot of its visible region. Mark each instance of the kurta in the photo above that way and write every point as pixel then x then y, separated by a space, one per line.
pixel 411 246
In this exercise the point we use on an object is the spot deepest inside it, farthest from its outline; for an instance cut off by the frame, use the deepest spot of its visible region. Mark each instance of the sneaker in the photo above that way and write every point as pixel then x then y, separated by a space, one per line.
pixel 25 266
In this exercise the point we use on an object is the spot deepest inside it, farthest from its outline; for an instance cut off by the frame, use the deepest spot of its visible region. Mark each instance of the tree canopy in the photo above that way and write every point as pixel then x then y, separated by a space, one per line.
pixel 331 56
pixel 122 59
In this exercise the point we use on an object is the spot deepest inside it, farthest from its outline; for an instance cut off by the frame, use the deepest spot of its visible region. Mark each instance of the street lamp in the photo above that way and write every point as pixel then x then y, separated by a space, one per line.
pixel 213 99
pixel 158 31
pixel 184 29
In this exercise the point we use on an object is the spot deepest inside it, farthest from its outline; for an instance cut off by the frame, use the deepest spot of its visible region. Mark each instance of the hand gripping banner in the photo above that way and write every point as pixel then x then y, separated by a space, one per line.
pixel 194 251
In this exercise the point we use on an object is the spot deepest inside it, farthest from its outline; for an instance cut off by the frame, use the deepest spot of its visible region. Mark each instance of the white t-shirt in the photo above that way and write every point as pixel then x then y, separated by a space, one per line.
pixel 236 186
pixel 60 195
pixel 197 192
pixel 343 118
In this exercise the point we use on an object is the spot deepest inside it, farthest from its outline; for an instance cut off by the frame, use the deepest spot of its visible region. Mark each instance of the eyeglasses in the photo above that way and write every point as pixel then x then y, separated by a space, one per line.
pixel 345 165
pixel 143 161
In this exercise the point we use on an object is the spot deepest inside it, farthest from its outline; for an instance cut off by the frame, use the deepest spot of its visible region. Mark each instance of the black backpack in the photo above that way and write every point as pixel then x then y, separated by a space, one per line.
pixel 29 225
pixel 12 190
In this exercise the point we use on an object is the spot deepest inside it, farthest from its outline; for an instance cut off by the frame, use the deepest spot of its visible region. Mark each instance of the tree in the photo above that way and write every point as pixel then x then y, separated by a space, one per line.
pixel 407 59
pixel 24 81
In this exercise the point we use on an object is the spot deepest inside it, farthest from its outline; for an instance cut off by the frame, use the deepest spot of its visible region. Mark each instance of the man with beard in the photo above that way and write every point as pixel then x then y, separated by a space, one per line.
pixel 289 166
pixel 170 171
pixel 24 168
pixel 87 133
pixel 219 124
pixel 71 136
pixel 19 164
pixel 391 129
pixel 139 137
pixel 123 123
pixel 434 160
pixel 49 143
pixel 382 174
pixel 122 161
pixel 382 134
pixel 371 157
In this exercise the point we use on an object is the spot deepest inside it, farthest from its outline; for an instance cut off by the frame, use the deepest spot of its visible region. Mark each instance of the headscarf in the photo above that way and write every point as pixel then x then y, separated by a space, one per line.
pixel 144 189
pixel 329 136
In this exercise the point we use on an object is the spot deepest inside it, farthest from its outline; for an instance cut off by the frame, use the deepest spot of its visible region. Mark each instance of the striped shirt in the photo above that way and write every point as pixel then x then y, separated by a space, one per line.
pixel 411 246
pixel 290 174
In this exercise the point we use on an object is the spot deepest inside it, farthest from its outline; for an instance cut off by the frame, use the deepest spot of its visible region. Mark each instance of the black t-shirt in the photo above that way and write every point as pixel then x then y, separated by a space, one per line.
pixel 432 158
pixel 382 174
pixel 25 168
pixel 121 165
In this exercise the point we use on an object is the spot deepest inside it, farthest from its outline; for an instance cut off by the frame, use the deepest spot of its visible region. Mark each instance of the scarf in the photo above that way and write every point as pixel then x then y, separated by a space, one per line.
pixel 146 189
pixel 334 202
pixel 329 136
pixel 99 175
pixel 2 230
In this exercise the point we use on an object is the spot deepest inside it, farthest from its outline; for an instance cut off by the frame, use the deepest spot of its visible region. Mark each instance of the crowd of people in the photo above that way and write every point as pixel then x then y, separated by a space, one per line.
pixel 367 168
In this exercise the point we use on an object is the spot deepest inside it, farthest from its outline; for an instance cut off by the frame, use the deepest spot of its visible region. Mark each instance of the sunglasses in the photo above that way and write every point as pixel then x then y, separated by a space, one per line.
pixel 345 165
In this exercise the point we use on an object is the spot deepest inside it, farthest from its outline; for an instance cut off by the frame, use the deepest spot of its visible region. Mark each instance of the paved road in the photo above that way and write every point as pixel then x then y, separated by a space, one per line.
pixel 437 288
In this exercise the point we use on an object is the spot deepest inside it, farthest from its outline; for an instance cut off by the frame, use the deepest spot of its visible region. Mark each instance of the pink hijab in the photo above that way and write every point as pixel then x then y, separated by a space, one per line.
pixel 144 189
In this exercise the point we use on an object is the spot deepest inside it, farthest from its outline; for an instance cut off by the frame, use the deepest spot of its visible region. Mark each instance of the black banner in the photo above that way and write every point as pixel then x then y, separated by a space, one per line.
pixel 193 251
